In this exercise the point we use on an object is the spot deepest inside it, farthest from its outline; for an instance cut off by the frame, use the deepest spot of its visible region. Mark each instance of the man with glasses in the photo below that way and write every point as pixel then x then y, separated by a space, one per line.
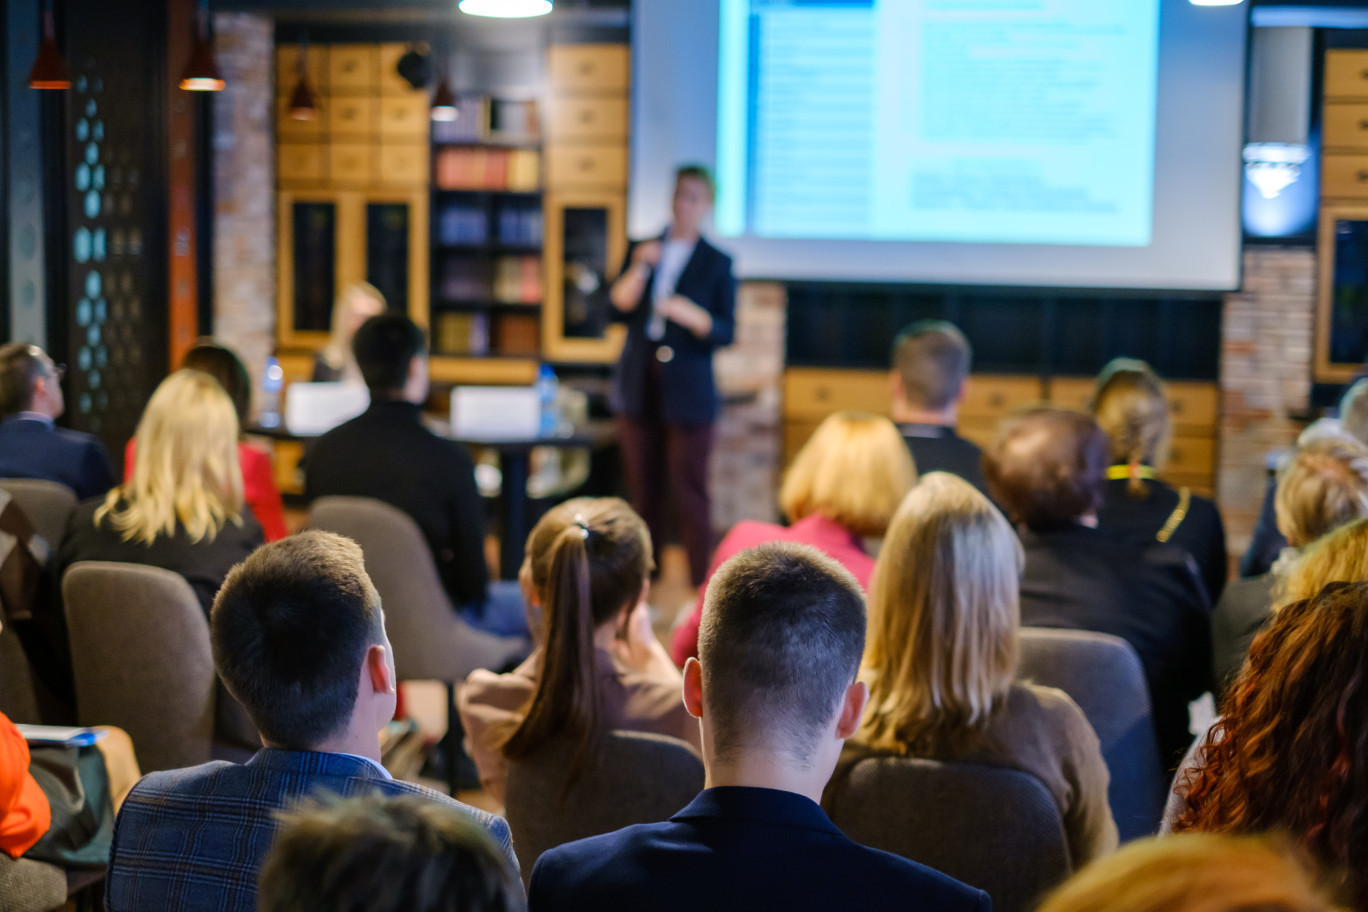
pixel 31 445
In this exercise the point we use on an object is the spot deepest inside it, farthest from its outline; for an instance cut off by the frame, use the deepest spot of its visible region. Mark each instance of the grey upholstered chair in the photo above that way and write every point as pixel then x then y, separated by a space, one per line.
pixel 1103 675
pixel 993 828
pixel 47 504
pixel 633 777
pixel 18 687
pixel 431 641
pixel 30 886
pixel 141 657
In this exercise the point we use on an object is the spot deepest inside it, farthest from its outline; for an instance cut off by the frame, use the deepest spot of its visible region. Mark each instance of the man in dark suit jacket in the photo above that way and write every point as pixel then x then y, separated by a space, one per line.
pixel 386 453
pixel 931 361
pixel 299 638
pixel 678 298
pixel 31 445
pixel 775 687
pixel 1047 469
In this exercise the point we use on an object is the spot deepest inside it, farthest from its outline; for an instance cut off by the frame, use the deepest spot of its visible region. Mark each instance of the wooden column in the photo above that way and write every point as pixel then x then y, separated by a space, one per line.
pixel 183 276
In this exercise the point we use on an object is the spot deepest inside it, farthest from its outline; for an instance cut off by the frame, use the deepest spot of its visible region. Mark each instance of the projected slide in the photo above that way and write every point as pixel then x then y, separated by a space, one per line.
pixel 984 121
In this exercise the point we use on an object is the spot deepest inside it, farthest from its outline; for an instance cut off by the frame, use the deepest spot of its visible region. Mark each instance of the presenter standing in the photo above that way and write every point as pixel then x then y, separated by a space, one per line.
pixel 677 296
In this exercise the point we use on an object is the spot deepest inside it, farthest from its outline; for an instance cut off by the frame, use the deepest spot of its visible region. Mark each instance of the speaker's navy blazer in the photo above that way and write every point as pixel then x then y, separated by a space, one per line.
pixel 688 393
pixel 30 448
pixel 743 849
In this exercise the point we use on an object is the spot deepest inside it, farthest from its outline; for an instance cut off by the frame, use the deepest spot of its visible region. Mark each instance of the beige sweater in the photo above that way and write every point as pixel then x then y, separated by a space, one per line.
pixel 491 704
pixel 1040 731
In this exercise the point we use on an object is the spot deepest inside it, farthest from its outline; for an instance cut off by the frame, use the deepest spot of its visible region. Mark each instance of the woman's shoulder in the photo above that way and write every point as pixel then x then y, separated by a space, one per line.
pixel 1044 706
pixel 508 691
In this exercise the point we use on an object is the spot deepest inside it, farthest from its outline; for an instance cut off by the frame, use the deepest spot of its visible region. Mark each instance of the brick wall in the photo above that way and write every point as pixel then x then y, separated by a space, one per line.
pixel 244 188
pixel 745 466
pixel 1265 375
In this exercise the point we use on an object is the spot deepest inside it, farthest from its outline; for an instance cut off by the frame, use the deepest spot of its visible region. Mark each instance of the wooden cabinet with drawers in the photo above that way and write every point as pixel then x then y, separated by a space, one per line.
pixel 586 181
pixel 811 394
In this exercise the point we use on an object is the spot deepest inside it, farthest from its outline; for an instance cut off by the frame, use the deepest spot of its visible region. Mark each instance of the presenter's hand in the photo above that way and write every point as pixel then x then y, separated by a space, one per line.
pixel 647 253
pixel 688 315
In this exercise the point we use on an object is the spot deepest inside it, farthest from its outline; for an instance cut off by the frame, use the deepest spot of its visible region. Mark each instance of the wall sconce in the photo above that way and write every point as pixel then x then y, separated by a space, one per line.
pixel 1273 167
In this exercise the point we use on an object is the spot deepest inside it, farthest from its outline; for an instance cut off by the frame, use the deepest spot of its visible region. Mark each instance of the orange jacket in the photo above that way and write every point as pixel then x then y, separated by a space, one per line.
pixel 24 812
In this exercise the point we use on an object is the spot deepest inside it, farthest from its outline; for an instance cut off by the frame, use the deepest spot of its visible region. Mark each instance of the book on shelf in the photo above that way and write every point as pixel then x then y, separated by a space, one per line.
pixel 462 225
pixel 463 333
pixel 467 168
pixel 517 334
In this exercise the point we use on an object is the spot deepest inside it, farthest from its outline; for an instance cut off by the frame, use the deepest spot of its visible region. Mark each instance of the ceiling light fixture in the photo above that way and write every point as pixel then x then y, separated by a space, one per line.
pixel 49 69
pixel 201 72
pixel 303 101
pixel 506 9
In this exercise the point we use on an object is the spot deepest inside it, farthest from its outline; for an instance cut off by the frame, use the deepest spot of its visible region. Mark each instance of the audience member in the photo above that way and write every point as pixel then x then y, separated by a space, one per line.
pixel 1320 488
pixel 598 665
pixel 1195 873
pixel 1287 754
pixel 941 661
pixel 386 453
pixel 258 476
pixel 358 302
pixel 299 637
pixel 842 488
pixel 931 361
pixel 31 445
pixel 183 508
pixel 1268 542
pixel 1132 409
pixel 403 854
pixel 775 686
pixel 1047 468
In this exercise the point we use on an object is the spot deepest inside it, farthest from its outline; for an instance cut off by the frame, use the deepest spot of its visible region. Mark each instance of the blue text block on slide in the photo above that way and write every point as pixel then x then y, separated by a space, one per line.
pixel 981 121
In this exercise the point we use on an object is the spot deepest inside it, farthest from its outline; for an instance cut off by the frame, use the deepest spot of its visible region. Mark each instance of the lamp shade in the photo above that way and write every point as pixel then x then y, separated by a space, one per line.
pixel 49 69
pixel 201 72
pixel 303 102
pixel 444 103
pixel 506 9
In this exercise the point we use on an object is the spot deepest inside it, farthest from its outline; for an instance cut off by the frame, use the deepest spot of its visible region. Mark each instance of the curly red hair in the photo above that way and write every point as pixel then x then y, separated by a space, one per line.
pixel 1291 751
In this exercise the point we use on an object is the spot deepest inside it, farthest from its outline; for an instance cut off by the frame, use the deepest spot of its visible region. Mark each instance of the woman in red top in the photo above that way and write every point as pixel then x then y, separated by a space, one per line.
pixel 843 487
pixel 258 478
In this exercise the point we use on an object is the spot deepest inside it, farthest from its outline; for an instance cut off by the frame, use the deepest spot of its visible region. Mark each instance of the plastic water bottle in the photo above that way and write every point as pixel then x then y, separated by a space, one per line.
pixel 548 388
pixel 271 383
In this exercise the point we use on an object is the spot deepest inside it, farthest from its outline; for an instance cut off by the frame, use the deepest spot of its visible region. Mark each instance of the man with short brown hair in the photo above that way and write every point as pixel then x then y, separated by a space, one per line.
pixel 775 688
pixel 1046 468
pixel 931 360
pixel 31 445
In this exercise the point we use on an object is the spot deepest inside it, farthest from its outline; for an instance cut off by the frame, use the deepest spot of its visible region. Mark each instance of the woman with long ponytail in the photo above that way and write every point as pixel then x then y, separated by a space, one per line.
pixel 598 665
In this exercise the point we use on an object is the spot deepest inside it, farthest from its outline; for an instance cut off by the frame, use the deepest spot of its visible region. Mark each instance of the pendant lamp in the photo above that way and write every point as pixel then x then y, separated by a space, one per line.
pixel 49 69
pixel 303 102
pixel 201 72
pixel 506 9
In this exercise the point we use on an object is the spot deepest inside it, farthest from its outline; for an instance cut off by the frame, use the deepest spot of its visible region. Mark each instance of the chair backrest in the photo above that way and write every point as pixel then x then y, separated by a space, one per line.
pixel 1103 675
pixel 30 886
pixel 47 504
pixel 431 642
pixel 141 659
pixel 992 828
pixel 18 687
pixel 632 778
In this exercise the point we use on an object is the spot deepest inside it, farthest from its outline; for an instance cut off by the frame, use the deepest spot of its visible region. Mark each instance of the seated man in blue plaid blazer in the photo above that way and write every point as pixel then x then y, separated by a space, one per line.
pixel 299 638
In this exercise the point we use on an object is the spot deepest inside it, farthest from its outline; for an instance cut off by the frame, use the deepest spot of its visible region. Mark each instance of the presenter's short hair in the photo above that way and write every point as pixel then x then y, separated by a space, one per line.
pixel 781 638
pixel 290 629
pixel 400 854
pixel 1047 467
pixel 932 358
pixel 384 347
pixel 700 173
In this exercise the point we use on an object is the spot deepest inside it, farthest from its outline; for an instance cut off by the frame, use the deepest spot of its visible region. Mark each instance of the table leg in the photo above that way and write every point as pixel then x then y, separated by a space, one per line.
pixel 513 463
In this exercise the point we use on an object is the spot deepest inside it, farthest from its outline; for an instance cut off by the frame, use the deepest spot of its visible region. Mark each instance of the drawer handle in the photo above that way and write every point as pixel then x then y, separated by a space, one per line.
pixel 587 164
pixel 586 67
pixel 822 394
pixel 1176 407
pixel 588 117
pixel 997 400
pixel 1363 74
pixel 1363 124
pixel 1362 176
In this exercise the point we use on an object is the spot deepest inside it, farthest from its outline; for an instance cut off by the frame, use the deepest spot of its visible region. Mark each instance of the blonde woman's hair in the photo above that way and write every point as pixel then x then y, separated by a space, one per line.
pixel 854 470
pixel 1340 556
pixel 943 618
pixel 1131 408
pixel 339 350
pixel 1323 486
pixel 1194 872
pixel 187 464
